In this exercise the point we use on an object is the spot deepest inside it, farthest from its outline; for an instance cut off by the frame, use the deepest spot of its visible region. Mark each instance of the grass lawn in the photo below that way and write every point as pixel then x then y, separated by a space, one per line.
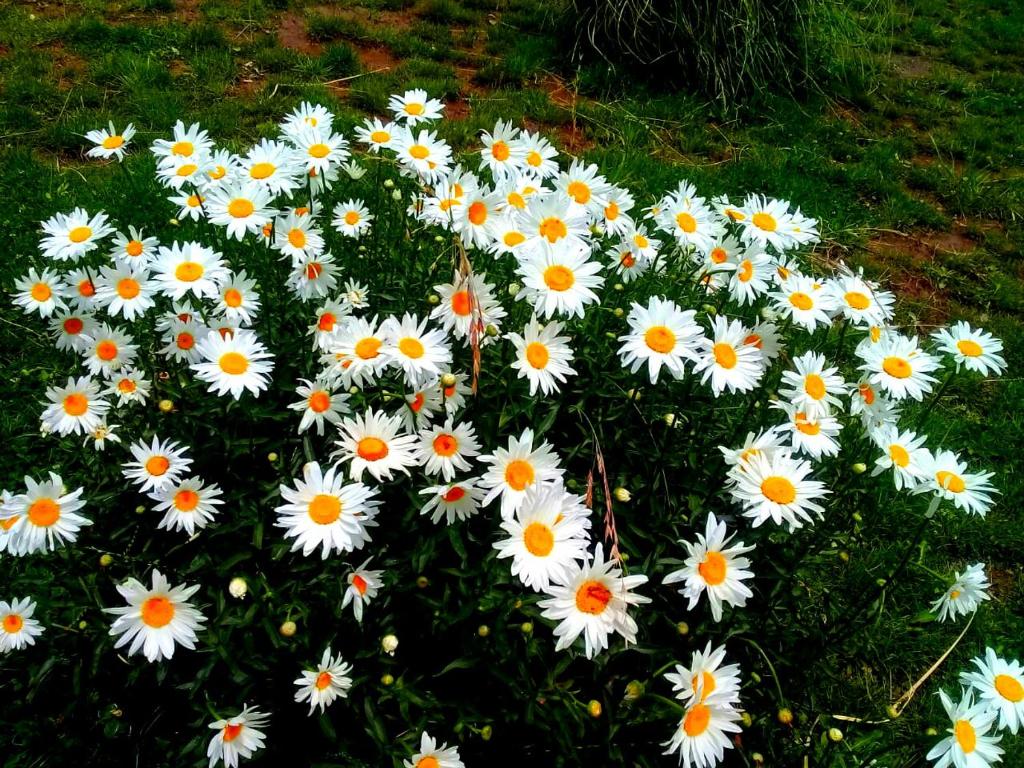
pixel 915 168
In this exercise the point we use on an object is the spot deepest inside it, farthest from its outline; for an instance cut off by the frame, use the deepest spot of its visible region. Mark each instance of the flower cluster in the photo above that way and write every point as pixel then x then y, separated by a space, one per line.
pixel 391 390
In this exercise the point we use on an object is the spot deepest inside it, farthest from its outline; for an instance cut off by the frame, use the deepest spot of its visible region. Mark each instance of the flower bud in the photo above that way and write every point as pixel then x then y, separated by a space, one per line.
pixel 594 708
pixel 669 419
pixel 422 582
pixel 173 222
pixel 526 627
pixel 634 394
pixel 619 312
pixel 758 759
pixel 491 330
pixel 683 628
pixel 859 468
pixel 622 494
pixel 139 510
pixel 396 194
pixel 389 644
pixel 514 288
pixel 433 299
pixel 746 719
pixel 438 238
pixel 166 406
pixel 834 734
pixel 844 556
pixel 386 679
pixel 116 712
pixel 353 390
pixel 448 380
pixel 238 587
pixel 710 309
pixel 483 630
pixel 858 517
pixel 634 690
pixel 931 732
pixel 389 184
pixel 271 457
pixel 486 732
pixel 618 287
pixel 287 629
pixel 892 712
pixel 785 716
pixel 83 624
pixel 106 560
pixel 755 677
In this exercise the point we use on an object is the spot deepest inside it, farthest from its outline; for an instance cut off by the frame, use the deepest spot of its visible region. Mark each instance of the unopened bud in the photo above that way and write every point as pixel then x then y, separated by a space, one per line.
pixel 483 630
pixel 859 468
pixel 634 690
pixel 448 380
pixel 491 330
pixel 272 457
pixel 622 494
pixel 618 287
pixel 785 716
pixel 166 406
pixel 140 510
pixel 594 708
pixel 387 679
pixel 389 644
pixel 834 734
pixel 389 184
pixel 287 629
pixel 422 582
pixel 683 628
pixel 396 194
pixel 710 309
pixel 486 732
pixel 526 627
pixel 514 288
pixel 669 419
pixel 433 299
pixel 106 560
pixel 618 312
pixel 746 719
pixel 83 624
pixel 238 587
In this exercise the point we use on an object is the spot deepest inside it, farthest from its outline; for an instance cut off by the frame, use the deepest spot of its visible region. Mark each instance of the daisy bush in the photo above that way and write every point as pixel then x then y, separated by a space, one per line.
pixel 364 451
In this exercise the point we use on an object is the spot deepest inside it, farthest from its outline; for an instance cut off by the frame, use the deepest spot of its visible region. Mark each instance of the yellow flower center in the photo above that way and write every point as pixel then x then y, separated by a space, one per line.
pixel 965 736
pixel 533 157
pixel 1009 688
pixel 899 455
pixel 189 271
pixel 240 208
pixel 801 300
pixel 182 149
pixel 553 228
pixel 579 192
pixel 113 142
pixel 500 151
pixel 950 481
pixel 372 449
pixel 857 300
pixel 419 152
pixel 41 292
pixel 814 386
pixel 537 355
pixel 778 489
pixel 697 720
pixel 367 348
pixel 686 222
pixel 411 347
pixel 380 137
pixel 660 339
pixel 897 367
pixel 127 288
pixel 262 170
pixel 969 348
pixel 79 234
pixel 725 355
pixel 764 221
pixel 76 404
pixel 319 150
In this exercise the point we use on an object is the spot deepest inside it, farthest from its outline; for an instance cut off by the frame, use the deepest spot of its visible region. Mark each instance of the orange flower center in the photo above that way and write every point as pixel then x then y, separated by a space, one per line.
pixel 500 151
pixel 814 386
pixel 13 623
pixel 351 218
pixel 539 539
pixel 324 509
pixel 323 680
pixel 186 500
pixel 553 229
pixel 537 355
pixel 764 221
pixel 950 481
pixel 73 326
pixel 76 404
pixel 189 271
pixel 897 367
pixel 41 292
pixel 106 350
pixel 965 736
pixel 579 192
pixel 44 512
pixel 372 449
pixel 519 474
pixel 326 322
pixel 359 583
pixel 593 597
pixel 127 288
pixel 660 339
pixel 319 401
pixel 461 304
pixel 86 288
pixel 411 347
pixel 157 465
pixel 801 300
pixel 367 348
pixel 477 213
pixel 713 569
pixel 1009 688
pixel 446 445
pixel 233 363
pixel 454 493
pixel 185 340
pixel 157 612
pixel 697 720
pixel 969 348
pixel 232 731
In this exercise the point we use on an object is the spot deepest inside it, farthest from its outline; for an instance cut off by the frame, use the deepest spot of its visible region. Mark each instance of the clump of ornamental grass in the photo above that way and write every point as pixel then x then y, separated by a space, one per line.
pixel 401 442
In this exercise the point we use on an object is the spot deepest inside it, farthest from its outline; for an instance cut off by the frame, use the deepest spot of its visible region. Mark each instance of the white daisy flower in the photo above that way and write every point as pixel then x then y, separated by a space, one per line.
pixel 453 501
pixel 319 403
pixel 777 489
pixel 689 219
pixel 538 155
pixel 805 301
pixel 706 680
pixel 323 512
pixel 750 277
pixel 129 386
pixel 560 282
pixel 43 293
pixel 238 300
pixel 517 468
pixel 903 452
pixel 1000 686
pixel 191 142
pixel 421 354
pixel 371 443
pixel 968 745
pixel 307 115
pixel 546 536
pixel 660 335
pixel 188 504
pixel 125 289
pixel 415 106
pixel 329 316
pixel 101 435
pixel 110 142
pixel 702 736
pixel 241 207
pixel 75 408
pixel 352 218
pixel 69 236
pixel 444 449
pixel 363 586
pixel 542 356
pixel 181 339
pixel 234 363
pixel 715 568
pixel 107 349
pixel 376 134
pixel 860 301
pixel 433 756
pixel 812 435
pixel 594 602
pixel 468 303
pixel 157 465
pixel 321 686
pixel 502 152
pixel 811 387
pixel 48 516
pixel 17 627
pixel 320 149
pixel 69 329
pixel 767 222
pixel 156 619
pixel 359 346
pixel 727 360
pixel 900 367
pixel 967 592
pixel 273 165
pixel 189 267
pixel 315 277
pixel 948 478
pixel 298 237
pixel 237 737
pixel 975 350
pixel 134 249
